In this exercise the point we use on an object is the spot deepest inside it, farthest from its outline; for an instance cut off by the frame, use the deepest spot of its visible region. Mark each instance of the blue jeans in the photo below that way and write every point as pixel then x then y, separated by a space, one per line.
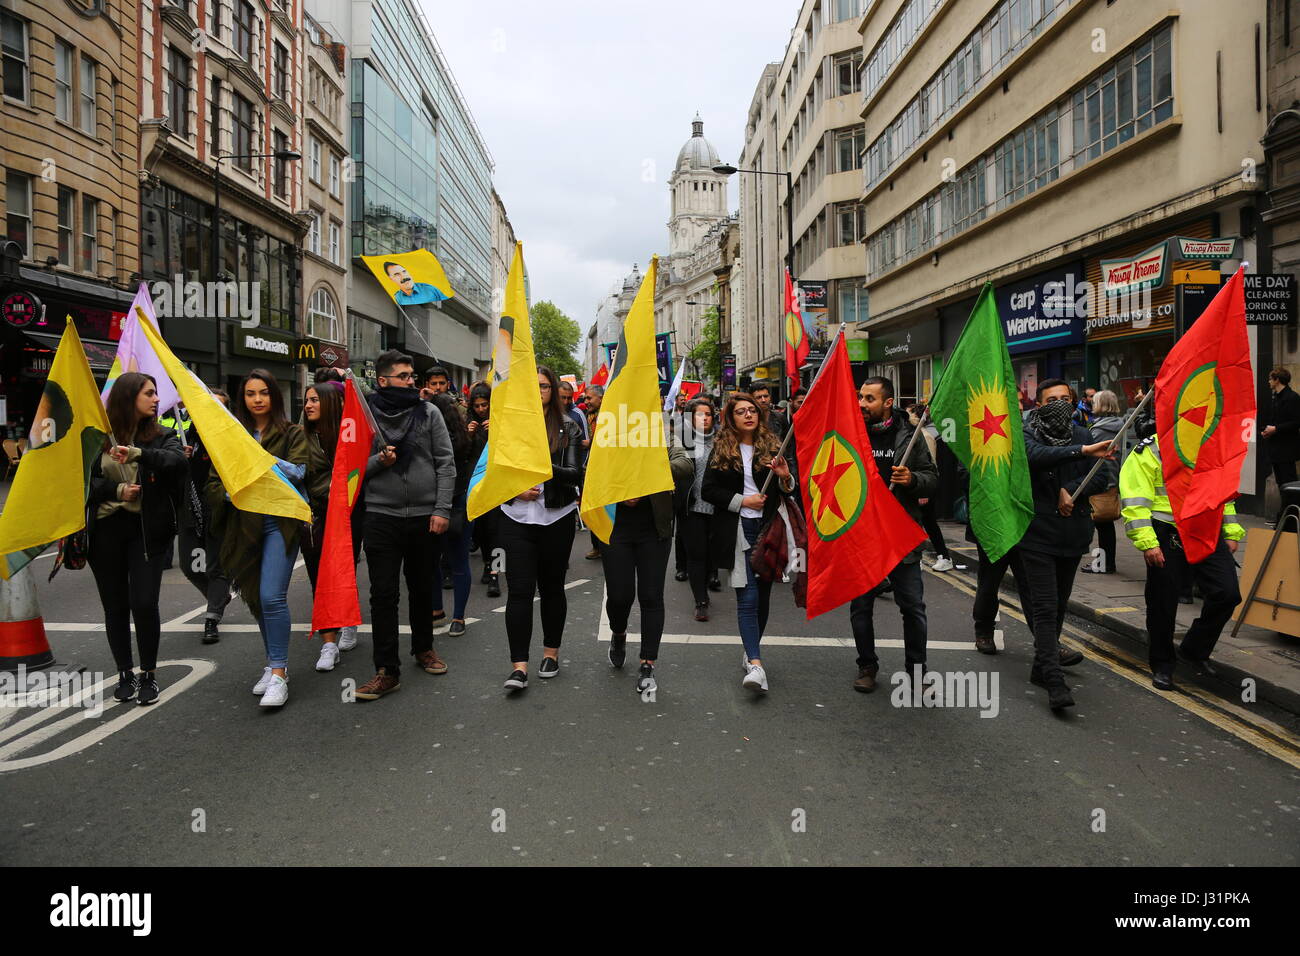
pixel 456 547
pixel 909 595
pixel 752 599
pixel 277 568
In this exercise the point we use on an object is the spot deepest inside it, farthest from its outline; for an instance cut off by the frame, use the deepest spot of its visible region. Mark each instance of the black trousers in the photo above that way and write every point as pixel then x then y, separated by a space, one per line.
pixel 314 543
pixel 201 565
pixel 485 535
pixel 681 552
pixel 396 547
pixel 696 528
pixel 989 582
pixel 128 583
pixel 1217 578
pixel 1049 579
pixel 1284 472
pixel 635 568
pixel 537 559
pixel 930 522
pixel 909 596
pixel 1106 541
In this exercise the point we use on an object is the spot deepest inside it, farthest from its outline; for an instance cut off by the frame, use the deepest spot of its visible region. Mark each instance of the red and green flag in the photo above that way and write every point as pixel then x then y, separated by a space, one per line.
pixel 796 335
pixel 976 408
pixel 857 530
pixel 1205 400
pixel 336 603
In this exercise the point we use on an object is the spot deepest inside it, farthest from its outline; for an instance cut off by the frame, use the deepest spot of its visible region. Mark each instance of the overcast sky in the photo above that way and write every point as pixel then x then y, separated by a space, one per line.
pixel 584 106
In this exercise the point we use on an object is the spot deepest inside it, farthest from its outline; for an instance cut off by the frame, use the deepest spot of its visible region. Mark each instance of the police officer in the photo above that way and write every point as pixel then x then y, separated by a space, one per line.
pixel 1149 523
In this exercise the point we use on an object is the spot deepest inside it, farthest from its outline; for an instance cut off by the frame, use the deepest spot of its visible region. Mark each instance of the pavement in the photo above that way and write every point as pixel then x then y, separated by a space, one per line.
pixel 1116 602
pixel 583 770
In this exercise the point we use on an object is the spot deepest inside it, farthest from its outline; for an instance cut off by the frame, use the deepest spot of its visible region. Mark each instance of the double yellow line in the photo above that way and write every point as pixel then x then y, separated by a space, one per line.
pixel 1259 732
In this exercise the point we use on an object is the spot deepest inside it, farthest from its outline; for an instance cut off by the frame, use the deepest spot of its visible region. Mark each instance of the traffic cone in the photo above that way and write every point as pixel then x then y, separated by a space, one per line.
pixel 22 629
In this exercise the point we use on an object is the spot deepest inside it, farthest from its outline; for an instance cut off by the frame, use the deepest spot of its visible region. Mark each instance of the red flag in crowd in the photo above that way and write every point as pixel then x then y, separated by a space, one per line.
pixel 336 603
pixel 1205 402
pixel 601 376
pixel 857 530
pixel 796 335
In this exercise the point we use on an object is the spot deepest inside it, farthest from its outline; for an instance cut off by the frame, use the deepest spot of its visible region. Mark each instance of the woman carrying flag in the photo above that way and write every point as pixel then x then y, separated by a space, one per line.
pixel 131 521
pixel 258 551
pixel 744 452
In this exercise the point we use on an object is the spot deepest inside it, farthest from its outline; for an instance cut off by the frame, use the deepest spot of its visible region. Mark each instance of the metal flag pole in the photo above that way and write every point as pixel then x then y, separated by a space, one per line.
pixel 416 329
pixel 1118 436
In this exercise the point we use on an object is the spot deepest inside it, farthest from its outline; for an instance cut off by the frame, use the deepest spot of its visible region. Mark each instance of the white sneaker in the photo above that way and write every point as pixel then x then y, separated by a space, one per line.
pixel 942 564
pixel 347 638
pixel 260 687
pixel 277 692
pixel 329 656
pixel 755 679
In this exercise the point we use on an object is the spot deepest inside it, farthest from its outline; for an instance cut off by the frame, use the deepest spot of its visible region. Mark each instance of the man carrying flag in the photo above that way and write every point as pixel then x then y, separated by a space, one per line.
pixel 627 499
pixel 1177 487
pixel 887 436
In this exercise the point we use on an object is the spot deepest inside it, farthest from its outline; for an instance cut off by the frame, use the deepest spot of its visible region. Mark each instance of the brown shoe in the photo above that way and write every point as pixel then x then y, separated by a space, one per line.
pixel 593 554
pixel 866 681
pixel 702 612
pixel 378 686
pixel 984 644
pixel 431 662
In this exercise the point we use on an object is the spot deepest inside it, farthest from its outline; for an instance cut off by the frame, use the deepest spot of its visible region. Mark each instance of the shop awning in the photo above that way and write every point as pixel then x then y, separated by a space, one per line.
pixel 99 354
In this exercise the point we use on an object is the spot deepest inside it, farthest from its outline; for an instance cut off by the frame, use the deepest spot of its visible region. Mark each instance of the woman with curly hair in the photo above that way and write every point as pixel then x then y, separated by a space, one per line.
pixel 744 452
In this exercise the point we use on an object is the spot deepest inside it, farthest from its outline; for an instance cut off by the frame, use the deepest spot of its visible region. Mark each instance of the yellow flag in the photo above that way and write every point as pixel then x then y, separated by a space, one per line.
pixel 48 498
pixel 629 453
pixel 249 472
pixel 517 455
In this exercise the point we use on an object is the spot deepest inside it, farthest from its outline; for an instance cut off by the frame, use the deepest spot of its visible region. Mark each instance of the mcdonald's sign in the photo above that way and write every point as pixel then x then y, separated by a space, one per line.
pixel 305 352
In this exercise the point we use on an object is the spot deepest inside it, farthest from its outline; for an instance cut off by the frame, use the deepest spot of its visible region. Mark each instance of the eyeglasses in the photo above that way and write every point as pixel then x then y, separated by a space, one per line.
pixel 544 386
pixel 403 377
pixel 746 412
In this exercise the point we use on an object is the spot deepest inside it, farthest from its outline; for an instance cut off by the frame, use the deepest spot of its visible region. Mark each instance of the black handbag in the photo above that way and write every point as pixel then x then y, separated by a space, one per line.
pixel 73 552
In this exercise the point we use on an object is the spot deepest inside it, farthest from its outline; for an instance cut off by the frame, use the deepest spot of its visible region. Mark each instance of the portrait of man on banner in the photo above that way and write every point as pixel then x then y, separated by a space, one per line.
pixel 411 278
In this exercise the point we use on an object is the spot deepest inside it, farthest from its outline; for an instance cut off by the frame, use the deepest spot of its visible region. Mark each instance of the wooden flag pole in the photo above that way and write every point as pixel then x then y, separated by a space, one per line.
pixel 1118 436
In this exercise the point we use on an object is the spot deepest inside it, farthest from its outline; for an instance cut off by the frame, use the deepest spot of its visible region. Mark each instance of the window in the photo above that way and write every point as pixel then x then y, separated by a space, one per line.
pixel 313 153
pixel 116 226
pixel 850 223
pixel 214 118
pixel 1124 100
pixel 846 69
pixel 178 92
pixel 18 209
pixel 313 234
pixel 13 44
pixel 336 234
pixel 848 148
pixel 67 212
pixel 89 75
pixel 112 112
pixel 63 57
pixel 281 166
pixel 845 9
pixel 334 175
pixel 281 71
pixel 243 129
pixel 89 227
pixel 245 24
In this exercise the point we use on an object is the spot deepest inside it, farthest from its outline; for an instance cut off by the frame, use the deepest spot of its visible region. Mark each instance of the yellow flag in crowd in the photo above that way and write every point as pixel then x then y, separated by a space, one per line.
pixel 252 478
pixel 629 453
pixel 48 498
pixel 517 455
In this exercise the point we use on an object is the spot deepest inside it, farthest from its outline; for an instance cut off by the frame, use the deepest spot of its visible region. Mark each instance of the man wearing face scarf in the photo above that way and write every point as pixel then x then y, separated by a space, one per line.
pixel 409 483
pixel 1060 456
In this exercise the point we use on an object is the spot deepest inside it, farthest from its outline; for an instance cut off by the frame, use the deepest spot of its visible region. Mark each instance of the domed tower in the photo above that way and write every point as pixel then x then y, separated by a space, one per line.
pixel 699 195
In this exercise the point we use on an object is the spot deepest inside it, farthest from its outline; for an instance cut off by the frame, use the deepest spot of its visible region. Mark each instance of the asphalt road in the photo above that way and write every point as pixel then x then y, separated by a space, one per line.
pixel 580 769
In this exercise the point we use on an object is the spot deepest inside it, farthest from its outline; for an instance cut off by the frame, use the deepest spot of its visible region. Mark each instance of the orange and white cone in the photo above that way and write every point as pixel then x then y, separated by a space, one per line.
pixel 22 629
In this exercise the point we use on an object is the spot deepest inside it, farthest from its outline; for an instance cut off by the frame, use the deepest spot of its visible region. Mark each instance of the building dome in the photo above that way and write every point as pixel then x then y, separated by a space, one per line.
pixel 698 153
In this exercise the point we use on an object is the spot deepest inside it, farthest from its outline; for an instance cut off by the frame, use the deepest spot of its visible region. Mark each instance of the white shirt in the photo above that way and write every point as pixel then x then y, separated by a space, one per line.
pixel 536 512
pixel 746 464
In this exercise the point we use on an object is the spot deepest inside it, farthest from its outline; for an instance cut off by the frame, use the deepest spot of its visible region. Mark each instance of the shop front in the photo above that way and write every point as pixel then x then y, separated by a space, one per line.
pixel 1044 321
pixel 909 357
pixel 262 348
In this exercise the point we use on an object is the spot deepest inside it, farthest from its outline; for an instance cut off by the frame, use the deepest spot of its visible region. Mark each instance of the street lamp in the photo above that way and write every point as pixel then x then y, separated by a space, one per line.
pixel 727 169
pixel 285 156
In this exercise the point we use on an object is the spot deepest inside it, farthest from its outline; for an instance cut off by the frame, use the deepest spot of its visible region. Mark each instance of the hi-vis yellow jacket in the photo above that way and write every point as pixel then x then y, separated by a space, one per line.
pixel 1143 499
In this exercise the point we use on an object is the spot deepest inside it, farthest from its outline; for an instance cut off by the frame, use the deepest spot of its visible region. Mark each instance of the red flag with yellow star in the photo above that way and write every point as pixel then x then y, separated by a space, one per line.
pixel 797 345
pixel 1205 402
pixel 857 530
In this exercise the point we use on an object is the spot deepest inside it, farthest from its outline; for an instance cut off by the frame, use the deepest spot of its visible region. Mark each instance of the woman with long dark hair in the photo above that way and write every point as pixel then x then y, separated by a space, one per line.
pixel 476 424
pixel 454 542
pixel 704 550
pixel 536 530
pixel 743 454
pixel 131 518
pixel 258 551
pixel 322 413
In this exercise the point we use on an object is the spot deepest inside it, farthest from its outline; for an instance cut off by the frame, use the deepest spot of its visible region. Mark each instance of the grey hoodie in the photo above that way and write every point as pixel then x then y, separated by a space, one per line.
pixel 427 486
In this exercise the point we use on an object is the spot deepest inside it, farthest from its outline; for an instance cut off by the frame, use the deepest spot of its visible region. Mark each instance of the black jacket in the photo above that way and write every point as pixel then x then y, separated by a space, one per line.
pixel 722 488
pixel 924 474
pixel 1051 468
pixel 163 466
pixel 565 484
pixel 1284 415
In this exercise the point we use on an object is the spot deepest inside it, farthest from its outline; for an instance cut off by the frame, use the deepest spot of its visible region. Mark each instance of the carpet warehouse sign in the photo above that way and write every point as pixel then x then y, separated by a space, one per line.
pixel 1144 271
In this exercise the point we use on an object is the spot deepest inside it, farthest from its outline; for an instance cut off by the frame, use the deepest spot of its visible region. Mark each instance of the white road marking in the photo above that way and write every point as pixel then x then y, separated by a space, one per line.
pixel 537 597
pixel 123 714
pixel 179 620
pixel 173 628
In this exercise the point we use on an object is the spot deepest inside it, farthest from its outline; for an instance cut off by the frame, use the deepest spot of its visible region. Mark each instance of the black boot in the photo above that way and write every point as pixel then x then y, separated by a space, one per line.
pixel 1058 695
pixel 210 634
pixel 494 587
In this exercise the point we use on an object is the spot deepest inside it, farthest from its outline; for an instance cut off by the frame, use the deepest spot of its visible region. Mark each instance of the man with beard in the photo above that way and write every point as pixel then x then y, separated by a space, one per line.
pixel 910 480
pixel 1058 449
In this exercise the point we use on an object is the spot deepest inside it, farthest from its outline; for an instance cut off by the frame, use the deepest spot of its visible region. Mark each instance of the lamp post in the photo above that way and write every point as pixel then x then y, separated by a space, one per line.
pixel 284 155
pixel 727 169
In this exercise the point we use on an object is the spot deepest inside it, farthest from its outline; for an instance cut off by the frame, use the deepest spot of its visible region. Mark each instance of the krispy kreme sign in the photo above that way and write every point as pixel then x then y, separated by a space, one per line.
pixel 1146 270
pixel 1205 248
